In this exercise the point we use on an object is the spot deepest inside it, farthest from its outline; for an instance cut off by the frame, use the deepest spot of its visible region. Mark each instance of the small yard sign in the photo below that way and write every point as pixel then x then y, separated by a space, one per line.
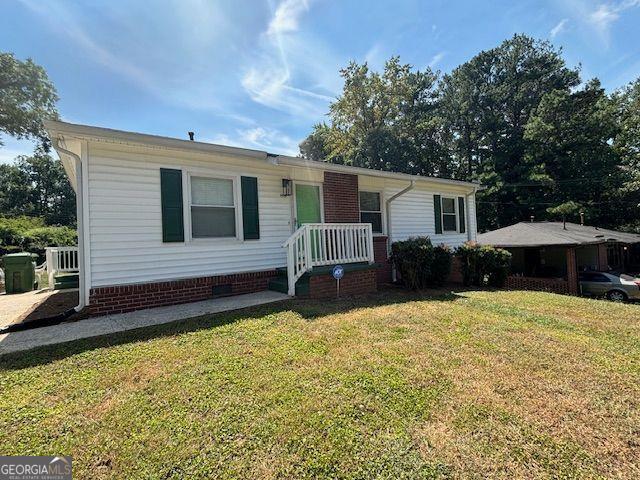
pixel 338 273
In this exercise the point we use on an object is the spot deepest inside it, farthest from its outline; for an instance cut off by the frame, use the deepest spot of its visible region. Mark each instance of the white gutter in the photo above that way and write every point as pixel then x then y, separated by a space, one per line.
pixel 408 188
pixel 87 132
pixel 80 216
pixel 338 168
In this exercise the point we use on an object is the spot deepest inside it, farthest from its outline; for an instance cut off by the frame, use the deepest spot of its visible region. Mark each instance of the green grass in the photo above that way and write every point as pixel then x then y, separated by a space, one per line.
pixel 396 385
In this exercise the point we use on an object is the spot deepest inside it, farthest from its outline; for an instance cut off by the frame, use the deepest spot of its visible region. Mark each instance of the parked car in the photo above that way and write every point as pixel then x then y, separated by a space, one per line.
pixel 616 287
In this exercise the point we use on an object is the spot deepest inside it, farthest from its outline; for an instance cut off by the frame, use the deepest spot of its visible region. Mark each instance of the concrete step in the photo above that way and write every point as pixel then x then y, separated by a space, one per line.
pixel 280 284
pixel 62 282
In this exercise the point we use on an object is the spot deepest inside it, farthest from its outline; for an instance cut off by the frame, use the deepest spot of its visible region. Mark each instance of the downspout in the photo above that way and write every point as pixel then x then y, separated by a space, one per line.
pixel 388 215
pixel 79 215
pixel 468 214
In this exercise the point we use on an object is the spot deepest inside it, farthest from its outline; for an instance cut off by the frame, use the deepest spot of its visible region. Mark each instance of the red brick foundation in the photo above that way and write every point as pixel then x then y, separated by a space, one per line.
pixel 456 271
pixel 353 283
pixel 572 272
pixel 341 201
pixel 539 284
pixel 380 256
pixel 126 298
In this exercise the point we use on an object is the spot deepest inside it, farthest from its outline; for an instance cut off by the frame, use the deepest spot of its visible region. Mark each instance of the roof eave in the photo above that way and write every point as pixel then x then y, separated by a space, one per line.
pixel 86 132
pixel 56 128
pixel 334 167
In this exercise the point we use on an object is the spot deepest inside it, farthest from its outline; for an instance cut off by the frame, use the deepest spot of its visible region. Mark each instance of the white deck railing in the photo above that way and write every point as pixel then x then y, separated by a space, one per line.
pixel 320 244
pixel 61 259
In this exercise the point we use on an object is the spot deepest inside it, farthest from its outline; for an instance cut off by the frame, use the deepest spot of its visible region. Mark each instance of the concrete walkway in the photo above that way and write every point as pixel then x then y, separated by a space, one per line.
pixel 97 326
pixel 16 307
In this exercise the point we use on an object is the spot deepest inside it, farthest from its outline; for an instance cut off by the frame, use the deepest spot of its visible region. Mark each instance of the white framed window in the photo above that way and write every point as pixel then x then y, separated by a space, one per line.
pixel 371 210
pixel 449 214
pixel 213 207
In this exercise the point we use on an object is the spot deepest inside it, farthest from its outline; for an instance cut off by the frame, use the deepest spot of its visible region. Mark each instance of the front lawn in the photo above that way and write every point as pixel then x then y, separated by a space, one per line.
pixel 475 384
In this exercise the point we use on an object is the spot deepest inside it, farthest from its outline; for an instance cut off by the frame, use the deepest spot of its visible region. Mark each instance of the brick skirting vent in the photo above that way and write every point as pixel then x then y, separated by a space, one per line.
pixel 539 284
pixel 353 283
pixel 126 298
pixel 341 201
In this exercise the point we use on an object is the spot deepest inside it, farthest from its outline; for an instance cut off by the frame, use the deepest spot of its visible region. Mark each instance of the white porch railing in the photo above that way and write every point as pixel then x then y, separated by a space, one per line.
pixel 319 244
pixel 61 259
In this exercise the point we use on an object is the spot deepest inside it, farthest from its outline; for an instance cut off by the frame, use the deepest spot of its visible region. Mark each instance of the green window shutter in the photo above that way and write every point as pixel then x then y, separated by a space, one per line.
pixel 461 214
pixel 172 209
pixel 250 220
pixel 437 211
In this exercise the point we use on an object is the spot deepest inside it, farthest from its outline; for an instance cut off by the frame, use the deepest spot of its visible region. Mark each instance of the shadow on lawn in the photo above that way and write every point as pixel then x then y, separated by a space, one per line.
pixel 307 309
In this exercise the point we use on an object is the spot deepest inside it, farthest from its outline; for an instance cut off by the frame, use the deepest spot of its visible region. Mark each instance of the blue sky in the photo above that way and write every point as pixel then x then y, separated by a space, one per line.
pixel 260 74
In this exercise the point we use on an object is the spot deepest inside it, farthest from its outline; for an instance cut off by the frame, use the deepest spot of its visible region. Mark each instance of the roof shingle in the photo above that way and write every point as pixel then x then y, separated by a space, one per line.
pixel 538 234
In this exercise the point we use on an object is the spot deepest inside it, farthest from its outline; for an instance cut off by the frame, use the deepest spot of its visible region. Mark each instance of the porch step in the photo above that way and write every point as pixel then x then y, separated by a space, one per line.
pixel 62 282
pixel 281 284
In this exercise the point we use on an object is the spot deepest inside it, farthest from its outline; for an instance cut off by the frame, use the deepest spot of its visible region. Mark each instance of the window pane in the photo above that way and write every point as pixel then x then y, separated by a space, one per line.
pixel 211 191
pixel 370 201
pixel 213 222
pixel 375 219
pixel 448 205
pixel 449 223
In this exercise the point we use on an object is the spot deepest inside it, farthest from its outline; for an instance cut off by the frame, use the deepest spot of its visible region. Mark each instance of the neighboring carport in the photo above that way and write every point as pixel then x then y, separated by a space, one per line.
pixel 548 255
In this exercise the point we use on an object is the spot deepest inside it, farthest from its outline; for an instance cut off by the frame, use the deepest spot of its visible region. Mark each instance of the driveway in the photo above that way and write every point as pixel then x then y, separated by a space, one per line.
pixel 18 307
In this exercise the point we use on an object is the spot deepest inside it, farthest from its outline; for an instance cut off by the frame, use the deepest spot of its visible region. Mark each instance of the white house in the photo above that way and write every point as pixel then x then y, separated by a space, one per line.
pixel 164 221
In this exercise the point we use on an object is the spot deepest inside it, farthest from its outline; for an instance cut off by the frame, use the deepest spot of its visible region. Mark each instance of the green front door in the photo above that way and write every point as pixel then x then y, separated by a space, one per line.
pixel 308 211
pixel 307 204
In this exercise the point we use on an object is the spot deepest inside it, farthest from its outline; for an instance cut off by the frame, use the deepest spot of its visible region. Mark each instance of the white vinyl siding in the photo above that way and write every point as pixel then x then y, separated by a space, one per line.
pixel 126 225
pixel 412 214
pixel 125 222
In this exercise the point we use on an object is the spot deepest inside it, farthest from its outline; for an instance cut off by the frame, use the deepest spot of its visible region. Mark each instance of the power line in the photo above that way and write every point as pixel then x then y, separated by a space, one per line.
pixel 556 182
pixel 555 203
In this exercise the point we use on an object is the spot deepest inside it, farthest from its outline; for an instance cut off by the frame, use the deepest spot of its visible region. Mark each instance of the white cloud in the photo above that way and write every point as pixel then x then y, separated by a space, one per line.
pixel 375 56
pixel 171 66
pixel 284 74
pixel 603 16
pixel 287 16
pixel 62 19
pixel 436 59
pixel 559 28
pixel 268 139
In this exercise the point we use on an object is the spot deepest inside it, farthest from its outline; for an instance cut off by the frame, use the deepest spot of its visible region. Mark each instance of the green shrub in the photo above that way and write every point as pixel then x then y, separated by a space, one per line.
pixel 13 229
pixel 29 234
pixel 419 263
pixel 38 239
pixel 483 265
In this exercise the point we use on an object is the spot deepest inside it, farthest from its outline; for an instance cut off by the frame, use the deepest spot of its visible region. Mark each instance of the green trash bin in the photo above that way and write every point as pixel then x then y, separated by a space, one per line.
pixel 19 272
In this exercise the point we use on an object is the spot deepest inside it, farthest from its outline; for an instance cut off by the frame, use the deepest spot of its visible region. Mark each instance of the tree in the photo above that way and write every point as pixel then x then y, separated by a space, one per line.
pixel 486 103
pixel 316 145
pixel 27 97
pixel 513 118
pixel 627 141
pixel 564 210
pixel 570 136
pixel 37 186
pixel 382 121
